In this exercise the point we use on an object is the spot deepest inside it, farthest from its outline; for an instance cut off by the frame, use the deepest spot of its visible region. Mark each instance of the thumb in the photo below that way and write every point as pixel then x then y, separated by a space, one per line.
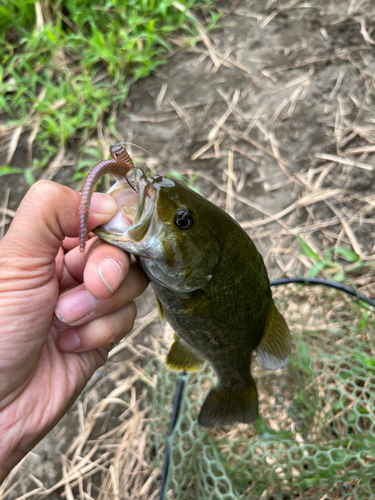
pixel 47 214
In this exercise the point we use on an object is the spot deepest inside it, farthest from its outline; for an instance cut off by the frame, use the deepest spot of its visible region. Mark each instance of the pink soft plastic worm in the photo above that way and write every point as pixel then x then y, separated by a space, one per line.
pixel 119 165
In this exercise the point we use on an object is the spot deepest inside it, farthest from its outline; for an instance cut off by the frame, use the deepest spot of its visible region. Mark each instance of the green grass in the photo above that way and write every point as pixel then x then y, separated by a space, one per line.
pixel 74 66
pixel 327 265
pixel 189 182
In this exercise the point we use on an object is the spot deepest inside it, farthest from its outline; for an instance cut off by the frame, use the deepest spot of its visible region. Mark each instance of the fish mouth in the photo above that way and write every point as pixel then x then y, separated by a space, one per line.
pixel 137 200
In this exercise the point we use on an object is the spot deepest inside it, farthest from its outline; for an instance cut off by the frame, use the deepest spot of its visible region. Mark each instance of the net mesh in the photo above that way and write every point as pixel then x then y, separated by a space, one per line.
pixel 315 436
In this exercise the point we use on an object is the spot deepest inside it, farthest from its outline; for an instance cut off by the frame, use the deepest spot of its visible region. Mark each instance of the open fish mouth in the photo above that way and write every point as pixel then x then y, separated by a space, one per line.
pixel 137 199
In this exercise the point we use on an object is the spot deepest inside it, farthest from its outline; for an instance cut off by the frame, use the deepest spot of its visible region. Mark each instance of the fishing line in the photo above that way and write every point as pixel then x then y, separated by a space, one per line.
pixel 204 192
pixel 145 150
pixel 171 168
pixel 182 377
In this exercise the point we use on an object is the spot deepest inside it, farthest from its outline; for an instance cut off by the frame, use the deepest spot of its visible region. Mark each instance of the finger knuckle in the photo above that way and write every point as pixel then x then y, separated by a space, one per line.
pixel 126 319
pixel 132 311
pixel 43 188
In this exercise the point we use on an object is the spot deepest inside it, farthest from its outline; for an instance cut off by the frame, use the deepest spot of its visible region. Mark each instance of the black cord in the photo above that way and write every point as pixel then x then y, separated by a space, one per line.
pixel 175 412
pixel 331 284
pixel 181 381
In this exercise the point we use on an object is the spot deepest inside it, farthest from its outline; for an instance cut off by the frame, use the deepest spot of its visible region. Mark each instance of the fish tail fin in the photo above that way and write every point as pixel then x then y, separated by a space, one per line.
pixel 275 345
pixel 223 407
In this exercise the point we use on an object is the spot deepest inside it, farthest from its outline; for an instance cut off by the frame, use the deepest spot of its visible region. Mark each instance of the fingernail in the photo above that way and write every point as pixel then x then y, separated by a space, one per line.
pixel 111 274
pixel 103 204
pixel 68 341
pixel 75 306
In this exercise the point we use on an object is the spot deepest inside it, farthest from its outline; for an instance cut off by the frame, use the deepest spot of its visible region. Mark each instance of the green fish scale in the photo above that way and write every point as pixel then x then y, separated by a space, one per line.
pixel 315 435
pixel 205 319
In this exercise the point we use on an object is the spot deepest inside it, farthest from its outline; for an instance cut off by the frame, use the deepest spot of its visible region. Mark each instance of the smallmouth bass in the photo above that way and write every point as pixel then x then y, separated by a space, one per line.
pixel 210 283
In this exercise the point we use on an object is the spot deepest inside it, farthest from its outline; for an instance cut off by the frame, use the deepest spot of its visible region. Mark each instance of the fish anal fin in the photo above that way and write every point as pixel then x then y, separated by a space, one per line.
pixel 227 407
pixel 273 351
pixel 161 311
pixel 182 357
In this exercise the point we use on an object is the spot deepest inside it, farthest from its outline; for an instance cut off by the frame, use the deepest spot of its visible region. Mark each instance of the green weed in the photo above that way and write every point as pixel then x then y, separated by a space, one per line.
pixel 69 62
pixel 327 264
pixel 189 182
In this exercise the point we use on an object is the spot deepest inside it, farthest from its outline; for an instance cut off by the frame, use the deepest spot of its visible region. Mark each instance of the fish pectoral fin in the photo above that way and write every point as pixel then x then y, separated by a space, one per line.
pixel 226 407
pixel 182 357
pixel 162 317
pixel 273 351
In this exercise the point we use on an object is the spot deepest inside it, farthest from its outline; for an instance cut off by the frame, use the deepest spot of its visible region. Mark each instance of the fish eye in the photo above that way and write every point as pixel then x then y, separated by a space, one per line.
pixel 183 219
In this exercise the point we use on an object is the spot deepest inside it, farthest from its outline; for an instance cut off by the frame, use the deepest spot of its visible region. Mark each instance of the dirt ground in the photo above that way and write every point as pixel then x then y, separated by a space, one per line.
pixel 274 112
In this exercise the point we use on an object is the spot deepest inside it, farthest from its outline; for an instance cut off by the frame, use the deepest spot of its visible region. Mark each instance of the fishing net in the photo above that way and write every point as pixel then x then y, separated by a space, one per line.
pixel 315 436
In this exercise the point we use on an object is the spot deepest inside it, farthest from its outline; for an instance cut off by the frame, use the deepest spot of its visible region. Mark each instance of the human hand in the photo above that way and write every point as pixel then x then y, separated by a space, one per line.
pixel 46 359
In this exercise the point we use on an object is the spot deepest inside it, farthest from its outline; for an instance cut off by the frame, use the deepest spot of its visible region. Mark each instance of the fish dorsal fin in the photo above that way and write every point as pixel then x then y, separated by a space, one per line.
pixel 273 350
pixel 162 317
pixel 182 357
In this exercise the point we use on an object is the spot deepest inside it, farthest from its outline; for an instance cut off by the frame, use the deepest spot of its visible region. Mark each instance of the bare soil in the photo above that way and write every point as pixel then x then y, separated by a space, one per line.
pixel 274 113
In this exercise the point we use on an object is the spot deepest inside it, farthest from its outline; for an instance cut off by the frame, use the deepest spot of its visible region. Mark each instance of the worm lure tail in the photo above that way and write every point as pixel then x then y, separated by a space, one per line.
pixel 119 165
pixel 118 152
